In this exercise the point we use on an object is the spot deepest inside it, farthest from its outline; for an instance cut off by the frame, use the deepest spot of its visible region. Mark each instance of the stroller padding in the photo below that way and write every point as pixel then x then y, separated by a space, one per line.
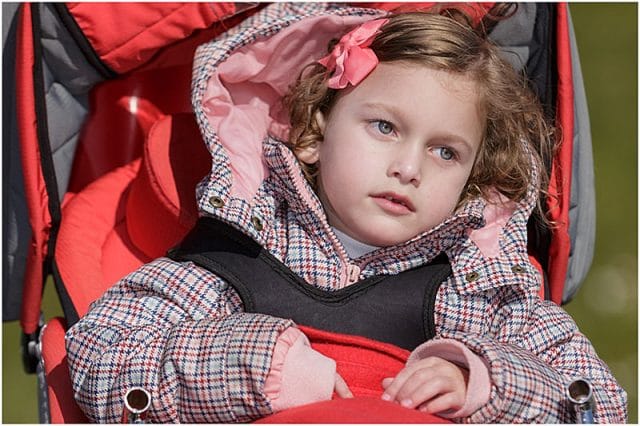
pixel 133 214
pixel 94 249
pixel 361 361
pixel 162 208
pixel 147 28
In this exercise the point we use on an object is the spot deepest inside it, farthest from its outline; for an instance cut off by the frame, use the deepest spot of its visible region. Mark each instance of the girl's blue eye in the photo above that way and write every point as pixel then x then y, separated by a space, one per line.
pixel 384 127
pixel 446 154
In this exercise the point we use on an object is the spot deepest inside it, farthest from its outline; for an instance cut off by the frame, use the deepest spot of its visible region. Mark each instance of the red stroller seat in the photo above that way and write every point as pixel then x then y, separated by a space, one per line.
pixel 126 204
pixel 134 213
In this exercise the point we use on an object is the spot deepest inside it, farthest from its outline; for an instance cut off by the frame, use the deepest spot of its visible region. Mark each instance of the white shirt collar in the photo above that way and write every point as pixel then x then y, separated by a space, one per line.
pixel 353 247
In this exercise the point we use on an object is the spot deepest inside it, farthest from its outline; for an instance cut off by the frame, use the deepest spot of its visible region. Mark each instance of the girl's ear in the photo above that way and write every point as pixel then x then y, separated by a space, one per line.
pixel 320 121
pixel 311 154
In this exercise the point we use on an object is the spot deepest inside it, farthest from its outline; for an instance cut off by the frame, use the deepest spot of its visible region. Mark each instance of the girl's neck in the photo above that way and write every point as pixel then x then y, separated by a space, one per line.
pixel 353 247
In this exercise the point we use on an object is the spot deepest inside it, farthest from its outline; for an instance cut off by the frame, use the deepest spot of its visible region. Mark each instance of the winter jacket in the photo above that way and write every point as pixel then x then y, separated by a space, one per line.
pixel 181 332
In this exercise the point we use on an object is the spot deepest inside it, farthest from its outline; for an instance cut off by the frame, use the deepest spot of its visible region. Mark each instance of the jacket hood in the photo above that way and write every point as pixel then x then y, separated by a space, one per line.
pixel 239 81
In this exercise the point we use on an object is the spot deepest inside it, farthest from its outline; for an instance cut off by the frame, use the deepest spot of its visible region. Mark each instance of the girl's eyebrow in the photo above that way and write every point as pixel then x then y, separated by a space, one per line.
pixel 382 107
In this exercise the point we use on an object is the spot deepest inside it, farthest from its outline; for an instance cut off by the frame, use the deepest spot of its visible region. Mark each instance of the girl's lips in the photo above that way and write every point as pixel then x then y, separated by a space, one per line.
pixel 393 203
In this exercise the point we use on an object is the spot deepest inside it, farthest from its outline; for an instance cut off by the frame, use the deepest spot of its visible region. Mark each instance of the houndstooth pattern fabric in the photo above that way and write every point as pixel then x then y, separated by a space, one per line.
pixel 181 332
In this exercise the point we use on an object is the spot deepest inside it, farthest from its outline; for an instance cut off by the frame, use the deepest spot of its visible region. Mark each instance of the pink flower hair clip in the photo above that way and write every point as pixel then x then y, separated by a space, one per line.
pixel 351 58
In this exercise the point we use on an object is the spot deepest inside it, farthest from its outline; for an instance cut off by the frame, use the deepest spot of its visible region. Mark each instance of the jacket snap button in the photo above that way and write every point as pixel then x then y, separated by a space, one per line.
pixel 472 276
pixel 257 223
pixel 517 269
pixel 216 202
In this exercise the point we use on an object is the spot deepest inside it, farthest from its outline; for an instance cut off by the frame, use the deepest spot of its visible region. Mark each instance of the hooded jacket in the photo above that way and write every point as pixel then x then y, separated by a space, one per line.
pixel 181 332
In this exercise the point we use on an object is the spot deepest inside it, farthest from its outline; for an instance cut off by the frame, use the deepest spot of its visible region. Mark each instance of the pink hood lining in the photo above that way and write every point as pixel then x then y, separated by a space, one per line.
pixel 497 213
pixel 242 98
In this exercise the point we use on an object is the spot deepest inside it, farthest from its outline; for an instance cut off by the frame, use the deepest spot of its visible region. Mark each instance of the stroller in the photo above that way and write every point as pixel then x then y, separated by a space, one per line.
pixel 101 119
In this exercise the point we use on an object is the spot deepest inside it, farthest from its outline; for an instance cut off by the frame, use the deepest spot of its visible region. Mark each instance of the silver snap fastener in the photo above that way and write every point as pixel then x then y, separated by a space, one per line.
pixel 518 269
pixel 257 223
pixel 472 276
pixel 216 202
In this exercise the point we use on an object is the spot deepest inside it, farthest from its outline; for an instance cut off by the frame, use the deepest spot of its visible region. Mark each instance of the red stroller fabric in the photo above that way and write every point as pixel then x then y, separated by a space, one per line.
pixel 108 232
pixel 148 27
pixel 356 410
pixel 34 181
pixel 560 181
pixel 62 405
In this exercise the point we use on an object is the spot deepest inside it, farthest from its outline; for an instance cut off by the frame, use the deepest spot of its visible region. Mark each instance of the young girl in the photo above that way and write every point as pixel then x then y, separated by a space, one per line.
pixel 408 140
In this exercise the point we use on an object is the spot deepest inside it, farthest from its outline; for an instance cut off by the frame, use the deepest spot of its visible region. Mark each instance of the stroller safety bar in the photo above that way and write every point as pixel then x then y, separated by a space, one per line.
pixel 137 401
pixel 580 394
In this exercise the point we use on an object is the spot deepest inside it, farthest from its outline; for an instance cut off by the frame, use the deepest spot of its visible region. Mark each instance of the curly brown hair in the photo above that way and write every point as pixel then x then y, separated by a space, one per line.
pixel 517 134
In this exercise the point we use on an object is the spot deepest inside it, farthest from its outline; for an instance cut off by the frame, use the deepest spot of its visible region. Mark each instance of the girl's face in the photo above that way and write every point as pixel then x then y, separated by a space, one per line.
pixel 397 152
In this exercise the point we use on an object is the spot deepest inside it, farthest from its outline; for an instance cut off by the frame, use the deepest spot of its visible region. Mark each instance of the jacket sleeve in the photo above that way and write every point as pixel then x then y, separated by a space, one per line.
pixel 531 369
pixel 179 332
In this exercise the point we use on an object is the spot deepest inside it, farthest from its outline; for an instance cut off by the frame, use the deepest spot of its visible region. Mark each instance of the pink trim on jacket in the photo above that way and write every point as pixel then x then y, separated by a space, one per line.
pixel 299 375
pixel 496 214
pixel 479 385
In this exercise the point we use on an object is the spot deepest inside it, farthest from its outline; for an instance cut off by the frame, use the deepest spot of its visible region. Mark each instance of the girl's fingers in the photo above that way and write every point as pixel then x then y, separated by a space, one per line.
pixel 420 387
pixel 429 362
pixel 426 380
pixel 391 390
pixel 341 388
pixel 444 403
pixel 432 385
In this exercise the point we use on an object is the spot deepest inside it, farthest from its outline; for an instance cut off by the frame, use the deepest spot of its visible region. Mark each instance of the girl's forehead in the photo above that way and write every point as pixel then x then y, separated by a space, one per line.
pixel 415 85
pixel 390 76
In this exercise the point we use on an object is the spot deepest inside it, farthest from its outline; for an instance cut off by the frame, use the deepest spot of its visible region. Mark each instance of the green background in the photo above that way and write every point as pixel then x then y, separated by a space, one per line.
pixel 606 306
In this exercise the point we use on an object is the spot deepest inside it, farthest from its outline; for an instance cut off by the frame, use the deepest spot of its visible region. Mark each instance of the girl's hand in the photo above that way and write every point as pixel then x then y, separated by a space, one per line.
pixel 341 388
pixel 431 385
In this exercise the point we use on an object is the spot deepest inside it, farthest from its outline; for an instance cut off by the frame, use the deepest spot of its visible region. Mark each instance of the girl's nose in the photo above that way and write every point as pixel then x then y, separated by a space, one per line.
pixel 406 166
